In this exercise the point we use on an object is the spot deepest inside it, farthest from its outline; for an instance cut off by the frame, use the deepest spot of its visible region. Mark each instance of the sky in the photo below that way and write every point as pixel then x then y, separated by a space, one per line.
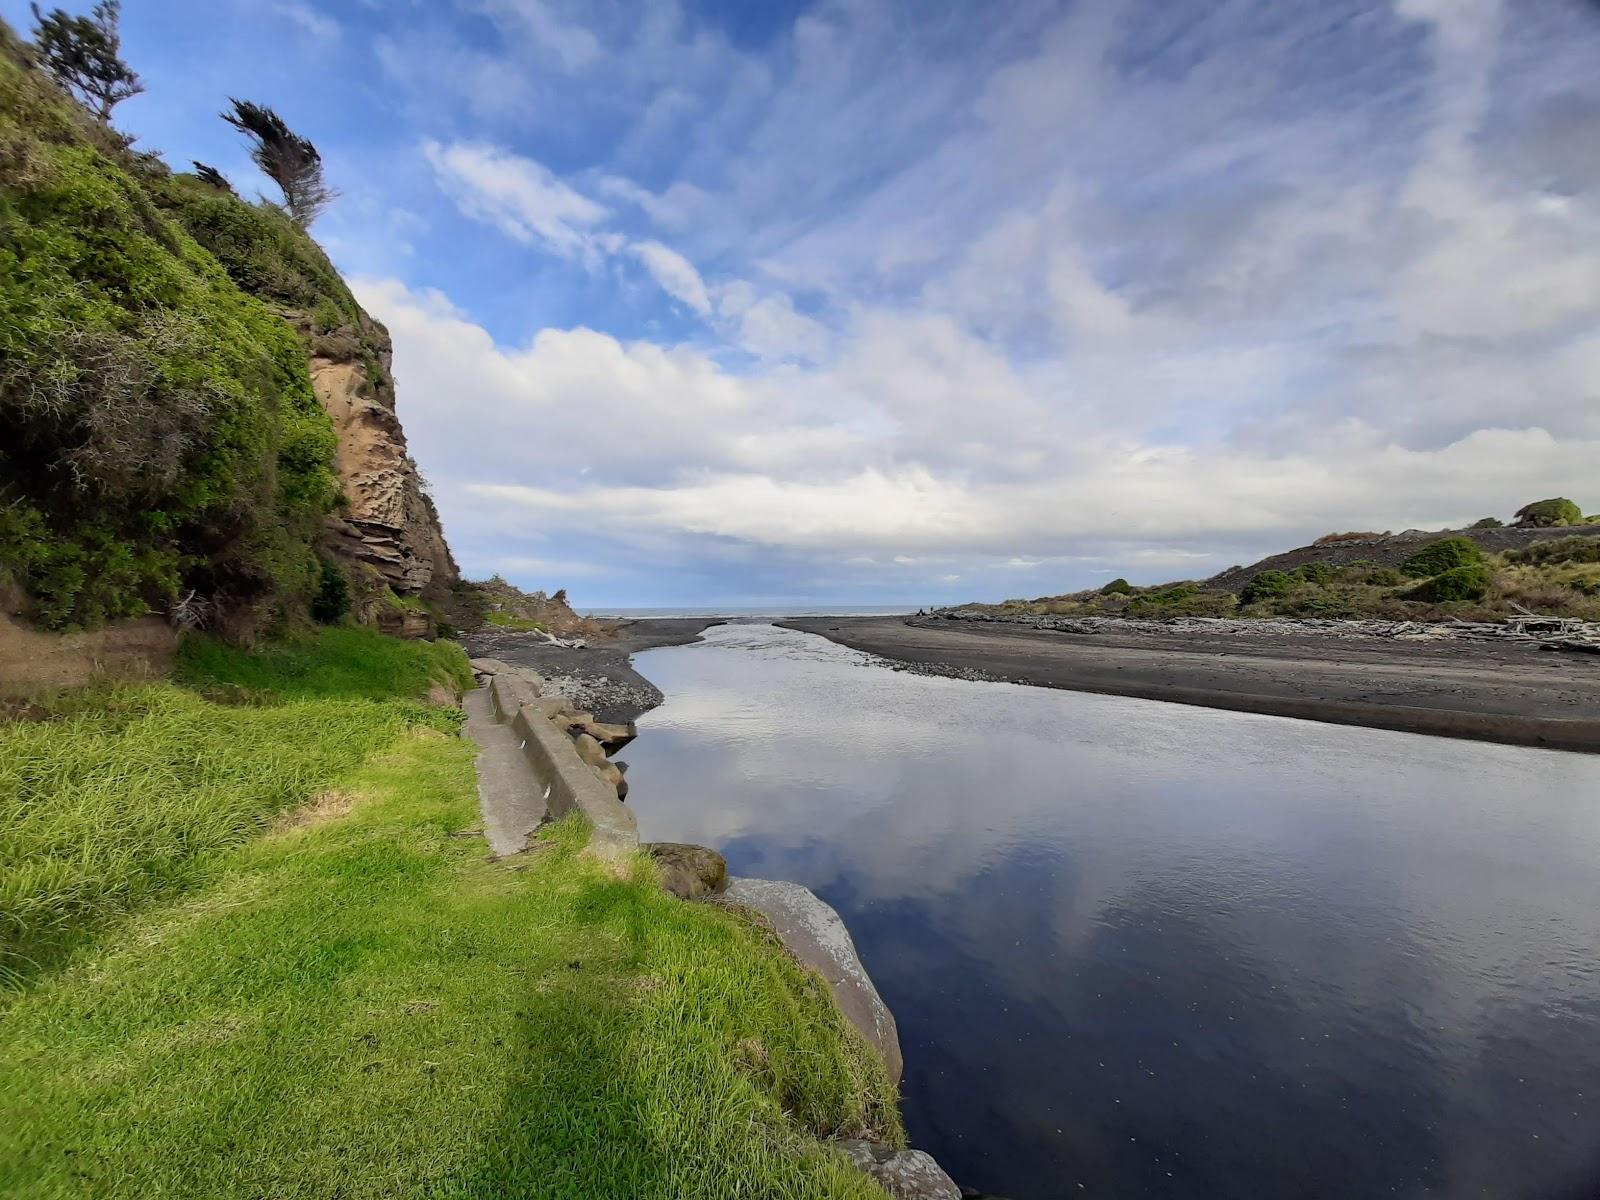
pixel 906 301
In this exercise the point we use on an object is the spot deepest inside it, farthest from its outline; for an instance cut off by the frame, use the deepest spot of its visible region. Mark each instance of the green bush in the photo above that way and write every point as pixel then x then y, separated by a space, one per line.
pixel 1266 585
pixel 1543 513
pixel 158 430
pixel 1317 572
pixel 1469 582
pixel 1117 587
pixel 261 249
pixel 1443 555
pixel 1488 523
pixel 1181 600
pixel 331 604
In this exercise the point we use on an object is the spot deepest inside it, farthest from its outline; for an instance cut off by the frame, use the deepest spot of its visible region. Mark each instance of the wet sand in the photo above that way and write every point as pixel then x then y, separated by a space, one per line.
pixel 1489 691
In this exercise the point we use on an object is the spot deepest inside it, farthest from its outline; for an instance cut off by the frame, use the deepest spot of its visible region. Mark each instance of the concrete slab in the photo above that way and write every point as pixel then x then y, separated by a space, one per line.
pixel 511 799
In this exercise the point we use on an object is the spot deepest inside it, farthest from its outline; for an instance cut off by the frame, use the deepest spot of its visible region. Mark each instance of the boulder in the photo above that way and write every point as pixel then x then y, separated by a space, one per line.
pixel 609 773
pixel 689 872
pixel 904 1174
pixel 612 736
pixel 815 935
pixel 589 750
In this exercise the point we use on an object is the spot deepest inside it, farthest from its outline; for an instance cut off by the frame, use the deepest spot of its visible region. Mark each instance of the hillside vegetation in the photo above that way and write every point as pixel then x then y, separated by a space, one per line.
pixel 160 441
pixel 1548 564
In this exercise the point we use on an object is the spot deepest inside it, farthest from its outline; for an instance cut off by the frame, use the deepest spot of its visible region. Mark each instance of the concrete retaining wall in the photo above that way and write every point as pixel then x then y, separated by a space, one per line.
pixel 574 787
pixel 570 784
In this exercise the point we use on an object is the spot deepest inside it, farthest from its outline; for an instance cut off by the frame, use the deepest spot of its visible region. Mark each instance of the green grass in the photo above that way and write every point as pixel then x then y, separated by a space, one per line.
pixel 334 663
pixel 116 801
pixel 516 624
pixel 352 1000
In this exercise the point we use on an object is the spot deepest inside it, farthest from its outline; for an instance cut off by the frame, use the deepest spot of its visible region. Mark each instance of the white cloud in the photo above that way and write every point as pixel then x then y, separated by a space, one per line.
pixel 317 25
pixel 517 195
pixel 1098 287
pixel 763 460
pixel 674 273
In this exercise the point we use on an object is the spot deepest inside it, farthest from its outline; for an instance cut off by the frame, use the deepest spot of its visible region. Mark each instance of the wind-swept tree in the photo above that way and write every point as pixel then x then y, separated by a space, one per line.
pixel 85 55
pixel 288 159
pixel 211 175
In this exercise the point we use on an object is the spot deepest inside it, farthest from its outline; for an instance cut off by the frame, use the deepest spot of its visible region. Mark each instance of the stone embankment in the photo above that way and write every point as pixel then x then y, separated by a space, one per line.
pixel 542 757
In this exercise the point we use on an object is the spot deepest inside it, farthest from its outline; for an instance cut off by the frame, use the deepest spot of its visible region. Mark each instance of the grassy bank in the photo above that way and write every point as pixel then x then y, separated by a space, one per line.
pixel 298 980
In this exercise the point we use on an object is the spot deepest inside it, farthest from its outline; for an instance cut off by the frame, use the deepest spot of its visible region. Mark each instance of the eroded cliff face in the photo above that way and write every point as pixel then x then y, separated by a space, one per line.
pixel 388 522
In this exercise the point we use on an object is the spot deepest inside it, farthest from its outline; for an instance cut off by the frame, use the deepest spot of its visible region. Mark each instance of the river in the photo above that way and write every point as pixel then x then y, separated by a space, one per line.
pixel 1138 949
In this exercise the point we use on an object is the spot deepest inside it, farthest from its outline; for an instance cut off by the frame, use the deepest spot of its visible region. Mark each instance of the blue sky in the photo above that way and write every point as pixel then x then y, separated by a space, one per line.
pixel 897 301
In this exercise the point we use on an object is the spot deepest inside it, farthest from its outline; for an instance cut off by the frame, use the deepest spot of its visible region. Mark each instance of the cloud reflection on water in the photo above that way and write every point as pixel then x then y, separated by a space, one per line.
pixel 1314 959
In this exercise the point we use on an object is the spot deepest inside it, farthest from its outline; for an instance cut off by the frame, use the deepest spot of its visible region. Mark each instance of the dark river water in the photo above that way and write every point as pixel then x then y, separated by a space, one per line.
pixel 1138 949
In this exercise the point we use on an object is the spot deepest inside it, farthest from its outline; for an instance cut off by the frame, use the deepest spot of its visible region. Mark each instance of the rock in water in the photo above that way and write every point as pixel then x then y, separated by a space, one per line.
pixel 689 872
pixel 815 935
pixel 904 1174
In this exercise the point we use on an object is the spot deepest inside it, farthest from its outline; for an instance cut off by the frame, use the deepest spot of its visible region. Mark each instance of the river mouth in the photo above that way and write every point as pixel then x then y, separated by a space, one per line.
pixel 1138 949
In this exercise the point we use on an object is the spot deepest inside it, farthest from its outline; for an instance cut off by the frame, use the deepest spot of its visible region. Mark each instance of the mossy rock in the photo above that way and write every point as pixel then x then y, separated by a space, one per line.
pixel 1469 582
pixel 1542 514
pixel 1117 587
pixel 1444 555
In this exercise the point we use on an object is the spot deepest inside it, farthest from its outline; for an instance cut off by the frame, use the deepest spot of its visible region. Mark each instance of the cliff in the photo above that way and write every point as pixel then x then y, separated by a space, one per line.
pixel 387 521
pixel 197 420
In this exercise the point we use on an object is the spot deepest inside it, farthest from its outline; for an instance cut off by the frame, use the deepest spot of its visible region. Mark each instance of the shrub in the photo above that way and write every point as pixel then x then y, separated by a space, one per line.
pixel 332 602
pixel 261 249
pixel 1117 587
pixel 1488 523
pixel 1444 555
pixel 1267 585
pixel 1173 600
pixel 1544 513
pixel 1468 582
pixel 1317 572
pixel 1353 536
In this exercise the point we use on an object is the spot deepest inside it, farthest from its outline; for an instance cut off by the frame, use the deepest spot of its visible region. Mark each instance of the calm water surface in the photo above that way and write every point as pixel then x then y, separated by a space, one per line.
pixel 1138 949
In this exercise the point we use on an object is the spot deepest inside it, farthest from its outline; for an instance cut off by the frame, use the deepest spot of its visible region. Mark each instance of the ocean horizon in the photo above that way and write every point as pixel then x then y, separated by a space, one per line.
pixel 774 611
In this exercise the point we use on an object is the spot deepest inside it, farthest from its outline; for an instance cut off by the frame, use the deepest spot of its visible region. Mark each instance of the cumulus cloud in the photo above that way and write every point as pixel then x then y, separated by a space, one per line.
pixel 632 441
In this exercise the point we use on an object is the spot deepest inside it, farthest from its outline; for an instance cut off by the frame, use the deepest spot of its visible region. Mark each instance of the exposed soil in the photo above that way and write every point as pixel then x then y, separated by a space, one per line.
pixel 1489 691
pixel 599 676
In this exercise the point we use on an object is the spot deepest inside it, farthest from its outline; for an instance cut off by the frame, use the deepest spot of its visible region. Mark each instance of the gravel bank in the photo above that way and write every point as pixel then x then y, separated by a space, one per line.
pixel 599 676
pixel 1490 691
